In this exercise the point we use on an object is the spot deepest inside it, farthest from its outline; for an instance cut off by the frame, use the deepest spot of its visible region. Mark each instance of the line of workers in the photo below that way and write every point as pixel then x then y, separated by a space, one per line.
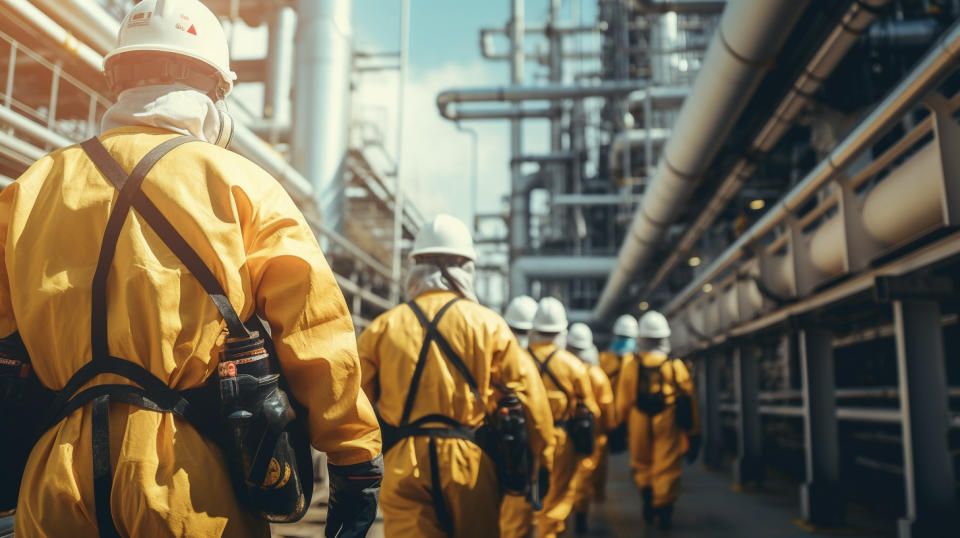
pixel 439 368
pixel 202 345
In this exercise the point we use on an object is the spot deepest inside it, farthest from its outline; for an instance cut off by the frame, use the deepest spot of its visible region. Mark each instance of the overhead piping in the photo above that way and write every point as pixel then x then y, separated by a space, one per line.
pixel 516 94
pixel 748 37
pixel 853 24
pixel 941 59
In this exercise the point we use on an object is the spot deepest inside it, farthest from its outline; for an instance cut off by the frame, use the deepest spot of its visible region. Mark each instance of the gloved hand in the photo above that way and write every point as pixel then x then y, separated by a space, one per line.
pixel 354 490
pixel 694 450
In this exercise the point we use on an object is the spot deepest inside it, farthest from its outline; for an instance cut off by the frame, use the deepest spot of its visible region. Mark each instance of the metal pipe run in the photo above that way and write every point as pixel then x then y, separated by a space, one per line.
pixel 522 269
pixel 939 60
pixel 627 140
pixel 684 7
pixel 855 21
pixel 516 94
pixel 32 129
pixel 660 97
pixel 748 38
pixel 880 415
pixel 544 158
pixel 58 34
pixel 584 200
pixel 84 18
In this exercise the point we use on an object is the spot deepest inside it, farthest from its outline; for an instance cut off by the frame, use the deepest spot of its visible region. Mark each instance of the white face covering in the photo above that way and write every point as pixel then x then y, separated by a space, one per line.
pixel 424 277
pixel 175 107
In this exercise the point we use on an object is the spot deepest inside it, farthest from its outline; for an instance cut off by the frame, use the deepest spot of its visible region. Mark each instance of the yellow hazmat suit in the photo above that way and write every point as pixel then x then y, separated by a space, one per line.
pixel 167 479
pixel 657 444
pixel 575 382
pixel 389 351
pixel 589 478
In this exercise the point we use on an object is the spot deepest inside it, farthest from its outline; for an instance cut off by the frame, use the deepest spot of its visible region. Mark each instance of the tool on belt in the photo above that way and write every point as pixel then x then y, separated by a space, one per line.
pixel 580 422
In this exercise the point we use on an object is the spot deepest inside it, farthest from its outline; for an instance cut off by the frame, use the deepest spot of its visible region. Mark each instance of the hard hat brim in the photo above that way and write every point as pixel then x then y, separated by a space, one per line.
pixel 228 76
pixel 446 251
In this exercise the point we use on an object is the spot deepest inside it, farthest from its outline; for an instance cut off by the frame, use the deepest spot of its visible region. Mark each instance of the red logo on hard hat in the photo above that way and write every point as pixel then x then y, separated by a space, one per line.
pixel 192 30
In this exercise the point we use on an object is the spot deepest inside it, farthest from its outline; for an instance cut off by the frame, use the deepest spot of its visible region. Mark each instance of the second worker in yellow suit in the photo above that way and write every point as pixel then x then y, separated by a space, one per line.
pixel 589 477
pixel 567 384
pixel 655 395
pixel 435 368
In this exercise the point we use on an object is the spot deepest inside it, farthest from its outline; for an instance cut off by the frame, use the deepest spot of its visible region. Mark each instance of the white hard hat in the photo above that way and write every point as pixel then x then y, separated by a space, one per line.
pixel 520 312
pixel 654 325
pixel 551 316
pixel 580 336
pixel 445 234
pixel 626 325
pixel 184 27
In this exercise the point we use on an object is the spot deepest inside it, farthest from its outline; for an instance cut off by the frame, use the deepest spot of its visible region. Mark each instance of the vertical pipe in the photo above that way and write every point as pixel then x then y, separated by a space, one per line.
pixel 519 203
pixel 748 467
pixel 276 92
pixel 321 103
pixel 401 102
pixel 11 71
pixel 558 179
pixel 821 502
pixel 54 95
pixel 925 409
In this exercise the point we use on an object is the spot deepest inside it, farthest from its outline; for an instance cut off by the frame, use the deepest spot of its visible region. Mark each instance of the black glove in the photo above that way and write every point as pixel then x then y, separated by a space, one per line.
pixel 694 450
pixel 354 490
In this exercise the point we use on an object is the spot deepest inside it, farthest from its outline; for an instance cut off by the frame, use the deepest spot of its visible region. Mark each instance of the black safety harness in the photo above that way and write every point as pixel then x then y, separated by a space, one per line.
pixel 544 368
pixel 197 406
pixel 452 428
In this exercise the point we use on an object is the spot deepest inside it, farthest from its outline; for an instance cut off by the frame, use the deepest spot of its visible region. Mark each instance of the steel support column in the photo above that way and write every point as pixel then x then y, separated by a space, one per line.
pixel 821 502
pixel 749 465
pixel 710 411
pixel 927 462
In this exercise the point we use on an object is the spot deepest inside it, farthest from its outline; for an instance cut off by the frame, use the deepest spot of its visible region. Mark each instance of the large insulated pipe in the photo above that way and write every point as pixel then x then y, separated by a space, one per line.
pixel 747 40
pixel 928 72
pixel 853 23
pixel 58 34
pixel 276 91
pixel 321 102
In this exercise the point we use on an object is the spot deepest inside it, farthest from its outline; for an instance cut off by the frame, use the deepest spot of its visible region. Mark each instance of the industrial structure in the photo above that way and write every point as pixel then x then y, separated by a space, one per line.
pixel 329 160
pixel 779 177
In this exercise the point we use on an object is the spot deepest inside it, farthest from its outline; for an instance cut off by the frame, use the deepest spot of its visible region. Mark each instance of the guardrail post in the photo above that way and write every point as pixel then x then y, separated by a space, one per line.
pixel 927 462
pixel 821 500
pixel 746 381
pixel 710 411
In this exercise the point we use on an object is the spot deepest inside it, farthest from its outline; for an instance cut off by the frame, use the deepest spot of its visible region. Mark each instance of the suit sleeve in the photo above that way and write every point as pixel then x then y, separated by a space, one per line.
pixel 604 395
pixel 367 348
pixel 8 324
pixel 626 394
pixel 297 294
pixel 514 370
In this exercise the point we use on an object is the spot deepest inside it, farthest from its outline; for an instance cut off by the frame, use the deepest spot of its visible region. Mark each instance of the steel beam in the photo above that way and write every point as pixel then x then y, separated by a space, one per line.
pixel 710 412
pixel 821 502
pixel 749 464
pixel 928 463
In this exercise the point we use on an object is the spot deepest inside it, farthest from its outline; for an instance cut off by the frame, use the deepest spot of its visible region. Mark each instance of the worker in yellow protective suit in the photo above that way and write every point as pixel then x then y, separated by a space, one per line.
pixel 516 512
pixel 168 479
pixel 588 476
pixel 623 345
pixel 436 368
pixel 568 385
pixel 655 395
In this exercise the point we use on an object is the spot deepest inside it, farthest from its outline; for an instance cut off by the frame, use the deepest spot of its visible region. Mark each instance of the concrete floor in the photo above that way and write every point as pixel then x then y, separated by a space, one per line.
pixel 708 507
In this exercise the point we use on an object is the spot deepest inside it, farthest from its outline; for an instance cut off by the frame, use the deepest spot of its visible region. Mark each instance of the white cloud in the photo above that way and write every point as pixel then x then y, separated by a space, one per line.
pixel 436 156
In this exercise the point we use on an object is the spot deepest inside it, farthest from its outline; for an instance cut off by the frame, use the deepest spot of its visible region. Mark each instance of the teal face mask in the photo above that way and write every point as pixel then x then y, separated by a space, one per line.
pixel 622 345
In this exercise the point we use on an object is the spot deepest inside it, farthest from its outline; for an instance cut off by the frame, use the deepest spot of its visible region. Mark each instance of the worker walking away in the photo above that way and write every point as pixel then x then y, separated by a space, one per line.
pixel 589 474
pixel 655 395
pixel 436 368
pixel 519 316
pixel 623 345
pixel 574 411
pixel 516 511
pixel 127 302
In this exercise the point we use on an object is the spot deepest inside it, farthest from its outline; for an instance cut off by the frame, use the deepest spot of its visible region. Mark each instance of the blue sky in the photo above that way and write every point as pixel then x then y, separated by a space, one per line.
pixel 445 53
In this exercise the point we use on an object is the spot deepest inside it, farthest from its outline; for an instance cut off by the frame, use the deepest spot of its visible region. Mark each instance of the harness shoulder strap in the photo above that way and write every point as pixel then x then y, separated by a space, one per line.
pixel 545 369
pixel 431 335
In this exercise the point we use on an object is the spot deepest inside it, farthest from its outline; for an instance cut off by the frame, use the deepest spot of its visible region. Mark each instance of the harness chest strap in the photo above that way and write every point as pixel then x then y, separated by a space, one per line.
pixel 453 429
pixel 545 369
pixel 152 393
